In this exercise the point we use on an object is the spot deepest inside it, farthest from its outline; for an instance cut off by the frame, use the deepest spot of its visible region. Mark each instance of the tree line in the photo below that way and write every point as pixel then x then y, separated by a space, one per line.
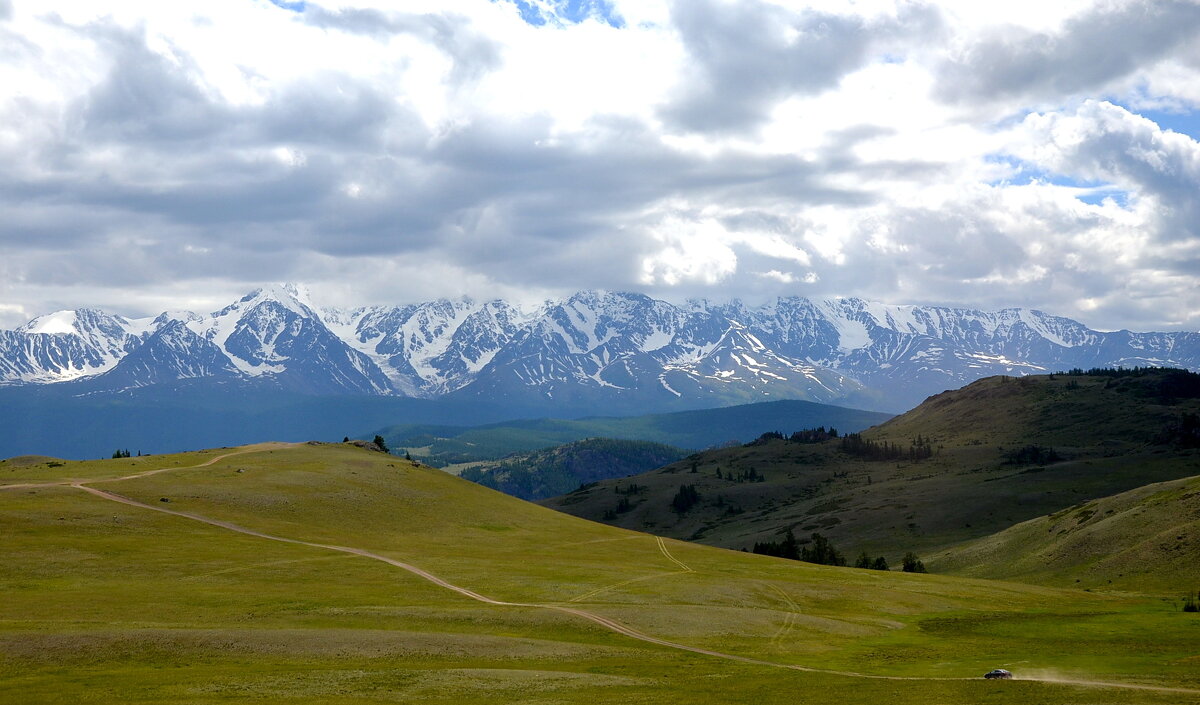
pixel 854 444
pixel 819 550
pixel 807 435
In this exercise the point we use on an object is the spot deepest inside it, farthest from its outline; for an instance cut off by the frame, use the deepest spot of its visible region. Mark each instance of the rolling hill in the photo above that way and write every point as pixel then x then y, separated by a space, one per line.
pixel 1146 539
pixel 1004 450
pixel 442 445
pixel 333 574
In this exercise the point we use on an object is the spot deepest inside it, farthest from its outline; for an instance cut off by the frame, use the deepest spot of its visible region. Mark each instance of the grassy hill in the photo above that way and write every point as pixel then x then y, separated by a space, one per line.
pixel 1146 539
pixel 333 574
pixel 446 445
pixel 1004 450
pixel 552 471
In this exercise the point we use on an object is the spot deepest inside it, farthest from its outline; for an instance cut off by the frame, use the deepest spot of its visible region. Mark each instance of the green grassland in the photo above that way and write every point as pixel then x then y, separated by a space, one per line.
pixel 303 596
pixel 1146 539
pixel 1111 436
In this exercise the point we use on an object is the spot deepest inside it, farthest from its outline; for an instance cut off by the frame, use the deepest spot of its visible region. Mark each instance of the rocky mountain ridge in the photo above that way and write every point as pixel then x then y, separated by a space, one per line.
pixel 594 349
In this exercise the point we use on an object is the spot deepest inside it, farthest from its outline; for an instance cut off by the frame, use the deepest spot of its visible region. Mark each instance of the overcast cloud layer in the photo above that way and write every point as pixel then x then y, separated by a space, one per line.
pixel 175 155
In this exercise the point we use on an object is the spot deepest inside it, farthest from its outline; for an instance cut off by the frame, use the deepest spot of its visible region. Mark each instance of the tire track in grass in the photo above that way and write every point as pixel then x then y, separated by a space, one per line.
pixel 623 583
pixel 789 619
pixel 662 546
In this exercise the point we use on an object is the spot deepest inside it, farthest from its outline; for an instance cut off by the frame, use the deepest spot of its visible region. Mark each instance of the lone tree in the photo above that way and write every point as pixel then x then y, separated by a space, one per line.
pixel 381 443
pixel 912 564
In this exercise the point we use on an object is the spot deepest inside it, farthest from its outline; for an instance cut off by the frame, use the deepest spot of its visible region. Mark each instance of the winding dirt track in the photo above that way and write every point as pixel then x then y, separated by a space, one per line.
pixel 605 622
pixel 77 482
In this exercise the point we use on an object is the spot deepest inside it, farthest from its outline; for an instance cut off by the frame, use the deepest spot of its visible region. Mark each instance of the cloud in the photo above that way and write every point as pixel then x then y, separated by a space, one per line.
pixel 1105 43
pixel 1103 142
pixel 170 157
pixel 749 55
pixel 473 54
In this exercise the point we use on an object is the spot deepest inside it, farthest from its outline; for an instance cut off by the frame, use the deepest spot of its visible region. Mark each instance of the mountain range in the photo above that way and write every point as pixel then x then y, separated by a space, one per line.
pixel 593 352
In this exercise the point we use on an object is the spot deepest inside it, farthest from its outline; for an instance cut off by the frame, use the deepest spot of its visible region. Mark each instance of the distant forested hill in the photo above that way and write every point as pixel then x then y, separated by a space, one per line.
pixel 552 471
pixel 442 445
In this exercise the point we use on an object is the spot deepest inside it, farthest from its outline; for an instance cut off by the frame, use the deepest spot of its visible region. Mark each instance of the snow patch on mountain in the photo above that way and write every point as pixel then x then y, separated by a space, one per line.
pixel 51 324
pixel 852 334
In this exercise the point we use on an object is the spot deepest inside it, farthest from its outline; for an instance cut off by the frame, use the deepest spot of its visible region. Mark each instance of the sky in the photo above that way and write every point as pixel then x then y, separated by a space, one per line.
pixel 173 156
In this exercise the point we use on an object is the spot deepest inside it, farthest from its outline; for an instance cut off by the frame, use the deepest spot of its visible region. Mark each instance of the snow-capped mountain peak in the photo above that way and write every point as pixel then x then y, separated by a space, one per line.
pixel 594 347
pixel 57 323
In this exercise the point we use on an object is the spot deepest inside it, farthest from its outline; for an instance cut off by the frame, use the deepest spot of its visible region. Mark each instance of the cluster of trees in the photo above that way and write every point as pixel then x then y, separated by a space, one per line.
pixel 1186 433
pixel 750 475
pixel 1169 383
pixel 854 444
pixel 865 561
pixel 765 438
pixel 1191 602
pixel 631 488
pixel 686 498
pixel 1032 455
pixel 808 435
pixel 118 453
pixel 813 435
pixel 817 550
pixel 1117 371
pixel 911 564
pixel 623 506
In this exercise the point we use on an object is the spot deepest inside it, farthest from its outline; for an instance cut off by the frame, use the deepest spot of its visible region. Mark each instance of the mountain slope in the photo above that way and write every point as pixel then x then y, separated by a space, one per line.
pixel 68 345
pixel 1146 539
pixel 173 352
pixel 332 574
pixel 991 468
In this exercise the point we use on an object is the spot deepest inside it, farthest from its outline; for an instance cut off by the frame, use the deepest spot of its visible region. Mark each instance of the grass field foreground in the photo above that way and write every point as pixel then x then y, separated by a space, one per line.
pixel 108 601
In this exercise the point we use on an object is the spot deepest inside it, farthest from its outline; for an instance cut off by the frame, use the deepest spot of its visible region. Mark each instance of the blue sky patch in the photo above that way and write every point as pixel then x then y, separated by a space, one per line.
pixel 569 11
pixel 1094 192
pixel 298 6
pixel 1095 198
pixel 1185 122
